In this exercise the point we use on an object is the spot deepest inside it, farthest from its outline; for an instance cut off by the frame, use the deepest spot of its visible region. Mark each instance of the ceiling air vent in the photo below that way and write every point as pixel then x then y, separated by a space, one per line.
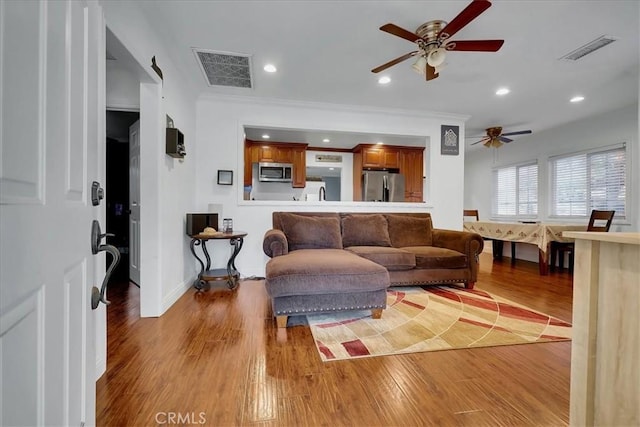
pixel 225 68
pixel 588 48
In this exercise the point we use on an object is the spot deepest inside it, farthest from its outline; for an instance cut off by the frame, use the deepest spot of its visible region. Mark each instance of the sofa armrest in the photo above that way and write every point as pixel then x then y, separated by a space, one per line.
pixel 470 244
pixel 275 243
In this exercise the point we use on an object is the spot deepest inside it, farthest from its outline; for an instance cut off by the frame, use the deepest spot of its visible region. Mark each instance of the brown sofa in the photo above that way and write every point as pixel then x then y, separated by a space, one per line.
pixel 323 262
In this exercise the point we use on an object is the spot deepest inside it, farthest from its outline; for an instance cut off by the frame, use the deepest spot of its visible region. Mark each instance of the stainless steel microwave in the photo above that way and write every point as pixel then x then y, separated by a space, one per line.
pixel 275 172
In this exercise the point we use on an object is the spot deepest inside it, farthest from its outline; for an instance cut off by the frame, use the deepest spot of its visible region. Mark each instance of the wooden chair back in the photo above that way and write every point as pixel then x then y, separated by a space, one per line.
pixel 471 213
pixel 600 216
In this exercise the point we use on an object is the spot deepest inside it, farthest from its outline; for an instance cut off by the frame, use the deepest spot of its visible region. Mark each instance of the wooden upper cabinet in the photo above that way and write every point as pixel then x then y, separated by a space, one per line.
pixel 391 158
pixel 278 152
pixel 372 157
pixel 284 155
pixel 266 153
pixel 380 157
pixel 275 154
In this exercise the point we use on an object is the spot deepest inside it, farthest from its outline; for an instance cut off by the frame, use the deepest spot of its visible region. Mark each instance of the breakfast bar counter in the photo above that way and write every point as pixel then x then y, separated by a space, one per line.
pixel 605 350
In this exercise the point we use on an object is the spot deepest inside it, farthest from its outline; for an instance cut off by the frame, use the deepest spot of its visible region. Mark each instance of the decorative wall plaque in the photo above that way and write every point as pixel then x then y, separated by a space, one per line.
pixel 449 140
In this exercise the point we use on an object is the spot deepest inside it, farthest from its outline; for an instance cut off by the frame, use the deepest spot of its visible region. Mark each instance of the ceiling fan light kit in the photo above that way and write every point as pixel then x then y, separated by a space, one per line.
pixel 496 139
pixel 433 40
pixel 420 65
pixel 436 57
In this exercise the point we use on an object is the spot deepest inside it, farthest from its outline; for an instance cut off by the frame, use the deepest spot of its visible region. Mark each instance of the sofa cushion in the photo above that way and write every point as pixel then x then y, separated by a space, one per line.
pixel 307 232
pixel 365 230
pixel 407 230
pixel 434 257
pixel 391 258
pixel 322 271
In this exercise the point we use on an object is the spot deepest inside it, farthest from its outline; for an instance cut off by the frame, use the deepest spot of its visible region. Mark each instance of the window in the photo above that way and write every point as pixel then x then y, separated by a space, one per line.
pixel 586 181
pixel 515 191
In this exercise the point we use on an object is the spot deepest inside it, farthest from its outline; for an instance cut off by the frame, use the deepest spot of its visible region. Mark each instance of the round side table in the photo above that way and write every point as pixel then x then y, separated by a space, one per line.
pixel 231 273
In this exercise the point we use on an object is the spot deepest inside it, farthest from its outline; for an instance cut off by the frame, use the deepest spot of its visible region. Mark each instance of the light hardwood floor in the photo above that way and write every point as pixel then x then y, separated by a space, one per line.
pixel 216 356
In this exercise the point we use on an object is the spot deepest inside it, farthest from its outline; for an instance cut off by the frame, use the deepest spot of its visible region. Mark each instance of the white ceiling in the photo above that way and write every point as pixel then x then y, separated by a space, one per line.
pixel 325 50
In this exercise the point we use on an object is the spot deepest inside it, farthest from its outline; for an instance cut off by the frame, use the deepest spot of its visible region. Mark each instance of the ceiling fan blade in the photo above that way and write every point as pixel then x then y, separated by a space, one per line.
pixel 431 73
pixel 394 62
pixel 486 138
pixel 503 139
pixel 520 132
pixel 471 12
pixel 475 45
pixel 400 32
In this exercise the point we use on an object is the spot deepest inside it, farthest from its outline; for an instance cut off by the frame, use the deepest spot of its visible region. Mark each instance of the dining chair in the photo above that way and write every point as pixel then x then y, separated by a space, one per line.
pixel 495 244
pixel 471 213
pixel 599 221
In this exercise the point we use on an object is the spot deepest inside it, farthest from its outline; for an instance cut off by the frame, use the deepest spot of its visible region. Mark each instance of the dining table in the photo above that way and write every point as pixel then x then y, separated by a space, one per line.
pixel 540 234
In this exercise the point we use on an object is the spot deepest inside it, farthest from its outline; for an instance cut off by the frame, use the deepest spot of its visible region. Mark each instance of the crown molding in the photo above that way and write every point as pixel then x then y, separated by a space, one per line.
pixel 253 100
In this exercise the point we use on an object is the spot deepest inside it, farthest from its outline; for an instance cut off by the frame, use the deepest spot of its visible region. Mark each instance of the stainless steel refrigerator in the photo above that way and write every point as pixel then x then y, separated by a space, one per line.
pixel 382 186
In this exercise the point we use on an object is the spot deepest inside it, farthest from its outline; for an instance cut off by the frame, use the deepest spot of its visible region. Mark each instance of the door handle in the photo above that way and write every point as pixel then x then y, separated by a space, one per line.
pixel 98 295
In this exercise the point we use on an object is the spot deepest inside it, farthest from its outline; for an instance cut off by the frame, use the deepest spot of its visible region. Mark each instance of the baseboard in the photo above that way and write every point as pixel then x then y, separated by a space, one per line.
pixel 101 367
pixel 174 295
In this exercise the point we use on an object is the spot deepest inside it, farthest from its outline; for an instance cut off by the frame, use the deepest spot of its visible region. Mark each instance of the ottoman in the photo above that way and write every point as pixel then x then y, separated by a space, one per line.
pixel 309 281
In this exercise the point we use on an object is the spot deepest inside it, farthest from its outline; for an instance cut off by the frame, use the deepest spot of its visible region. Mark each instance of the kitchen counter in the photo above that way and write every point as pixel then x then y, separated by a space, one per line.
pixel 605 349
pixel 377 205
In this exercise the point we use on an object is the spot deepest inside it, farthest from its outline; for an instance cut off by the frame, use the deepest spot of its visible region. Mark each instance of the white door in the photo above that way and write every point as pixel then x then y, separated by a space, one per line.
pixel 51 68
pixel 134 202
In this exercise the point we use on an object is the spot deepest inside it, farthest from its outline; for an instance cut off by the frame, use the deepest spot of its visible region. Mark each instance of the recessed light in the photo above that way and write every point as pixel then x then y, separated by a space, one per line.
pixel 384 80
pixel 577 99
pixel 502 91
pixel 265 136
pixel 332 169
pixel 270 68
pixel 326 140
pixel 379 143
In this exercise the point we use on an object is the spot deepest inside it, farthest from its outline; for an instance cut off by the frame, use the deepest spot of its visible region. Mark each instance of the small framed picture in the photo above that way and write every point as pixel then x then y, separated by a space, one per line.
pixel 225 177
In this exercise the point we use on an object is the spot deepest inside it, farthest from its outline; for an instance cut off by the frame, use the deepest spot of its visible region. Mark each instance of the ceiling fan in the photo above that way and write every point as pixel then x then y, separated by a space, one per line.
pixel 495 137
pixel 433 40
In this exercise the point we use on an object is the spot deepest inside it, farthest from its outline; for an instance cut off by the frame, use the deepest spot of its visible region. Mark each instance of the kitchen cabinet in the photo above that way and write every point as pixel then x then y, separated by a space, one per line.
pixel 276 152
pixel 407 160
pixel 380 157
pixel 248 163
pixel 299 176
pixel 412 165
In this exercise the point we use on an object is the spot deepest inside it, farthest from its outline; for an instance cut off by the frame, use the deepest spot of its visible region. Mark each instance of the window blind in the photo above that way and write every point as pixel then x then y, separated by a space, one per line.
pixel 515 191
pixel 586 181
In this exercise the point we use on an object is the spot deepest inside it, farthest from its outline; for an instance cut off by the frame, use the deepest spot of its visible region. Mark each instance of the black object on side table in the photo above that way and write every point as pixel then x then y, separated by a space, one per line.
pixel 231 273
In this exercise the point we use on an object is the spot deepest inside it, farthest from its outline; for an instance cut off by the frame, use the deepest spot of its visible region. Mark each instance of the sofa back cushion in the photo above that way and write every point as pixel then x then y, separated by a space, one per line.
pixel 310 232
pixel 365 230
pixel 407 230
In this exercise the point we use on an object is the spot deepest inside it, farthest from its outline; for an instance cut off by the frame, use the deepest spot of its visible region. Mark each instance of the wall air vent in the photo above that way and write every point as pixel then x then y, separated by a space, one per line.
pixel 225 68
pixel 588 48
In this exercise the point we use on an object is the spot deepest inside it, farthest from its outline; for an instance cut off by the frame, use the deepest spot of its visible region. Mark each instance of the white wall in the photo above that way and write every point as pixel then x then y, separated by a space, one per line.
pixel 220 138
pixel 346 170
pixel 123 87
pixel 167 184
pixel 612 128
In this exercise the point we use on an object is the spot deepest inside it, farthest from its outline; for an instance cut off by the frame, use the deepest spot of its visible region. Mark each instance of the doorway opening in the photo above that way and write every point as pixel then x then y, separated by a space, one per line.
pixel 117 182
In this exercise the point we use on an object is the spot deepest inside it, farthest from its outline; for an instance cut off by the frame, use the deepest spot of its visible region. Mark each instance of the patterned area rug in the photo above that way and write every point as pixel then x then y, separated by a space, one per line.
pixel 433 318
